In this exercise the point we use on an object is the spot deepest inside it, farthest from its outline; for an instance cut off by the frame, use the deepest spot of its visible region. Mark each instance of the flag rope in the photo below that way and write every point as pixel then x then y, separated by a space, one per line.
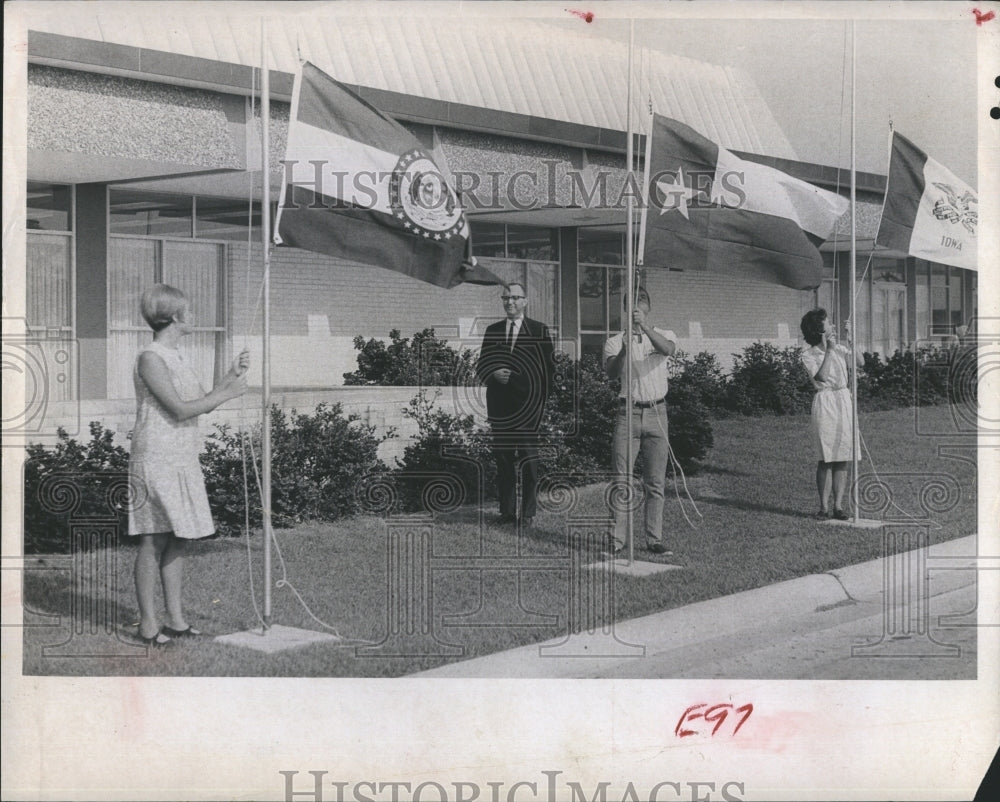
pixel 246 439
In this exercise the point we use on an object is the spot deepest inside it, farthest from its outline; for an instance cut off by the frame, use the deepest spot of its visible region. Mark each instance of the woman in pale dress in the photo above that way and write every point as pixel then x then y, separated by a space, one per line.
pixel 170 503
pixel 832 420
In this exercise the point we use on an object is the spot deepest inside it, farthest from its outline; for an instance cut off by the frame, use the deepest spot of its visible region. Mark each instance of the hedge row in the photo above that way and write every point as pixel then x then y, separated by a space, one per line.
pixel 325 464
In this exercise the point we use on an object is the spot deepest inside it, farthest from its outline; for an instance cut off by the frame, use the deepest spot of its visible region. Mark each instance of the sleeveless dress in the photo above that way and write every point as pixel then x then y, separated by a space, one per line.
pixel 831 425
pixel 164 469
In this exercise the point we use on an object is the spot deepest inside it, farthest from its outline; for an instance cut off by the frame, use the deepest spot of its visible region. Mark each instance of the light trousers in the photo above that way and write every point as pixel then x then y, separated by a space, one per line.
pixel 649 437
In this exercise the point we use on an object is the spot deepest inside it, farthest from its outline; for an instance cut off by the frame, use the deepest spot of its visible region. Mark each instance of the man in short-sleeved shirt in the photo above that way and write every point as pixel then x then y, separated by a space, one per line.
pixel 650 349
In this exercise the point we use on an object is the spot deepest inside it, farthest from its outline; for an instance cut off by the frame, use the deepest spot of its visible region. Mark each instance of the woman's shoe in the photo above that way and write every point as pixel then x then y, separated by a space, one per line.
pixel 822 515
pixel 840 515
pixel 190 632
pixel 157 641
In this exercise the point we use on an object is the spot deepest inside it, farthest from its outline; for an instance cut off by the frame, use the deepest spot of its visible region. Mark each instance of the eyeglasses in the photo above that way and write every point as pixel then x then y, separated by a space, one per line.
pixel 506 298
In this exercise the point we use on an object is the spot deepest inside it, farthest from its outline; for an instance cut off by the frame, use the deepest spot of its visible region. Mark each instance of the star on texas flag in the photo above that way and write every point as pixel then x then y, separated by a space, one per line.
pixel 737 217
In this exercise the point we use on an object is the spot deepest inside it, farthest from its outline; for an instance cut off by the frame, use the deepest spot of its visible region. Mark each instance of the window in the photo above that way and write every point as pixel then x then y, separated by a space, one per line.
pixel 49 207
pixel 922 300
pixel 528 255
pixel 49 279
pixel 600 287
pixel 488 239
pixel 530 242
pixel 502 241
pixel 940 317
pixel 225 219
pixel 601 246
pixel 150 214
pixel 955 298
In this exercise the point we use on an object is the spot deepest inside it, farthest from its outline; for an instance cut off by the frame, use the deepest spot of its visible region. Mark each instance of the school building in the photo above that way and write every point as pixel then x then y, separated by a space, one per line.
pixel 144 156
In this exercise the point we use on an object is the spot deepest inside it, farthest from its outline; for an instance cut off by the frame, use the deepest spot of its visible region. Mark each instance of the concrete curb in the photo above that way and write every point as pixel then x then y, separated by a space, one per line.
pixel 685 628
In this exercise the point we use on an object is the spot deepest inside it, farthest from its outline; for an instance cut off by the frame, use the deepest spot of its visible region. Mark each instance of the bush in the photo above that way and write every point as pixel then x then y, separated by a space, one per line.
pixel 445 444
pixel 72 479
pixel 703 376
pixel 689 426
pixel 316 463
pixel 425 361
pixel 928 376
pixel 766 379
pixel 579 418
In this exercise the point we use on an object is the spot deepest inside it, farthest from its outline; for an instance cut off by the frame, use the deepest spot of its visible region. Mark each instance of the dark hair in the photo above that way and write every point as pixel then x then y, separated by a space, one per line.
pixel 812 326
pixel 641 294
pixel 506 287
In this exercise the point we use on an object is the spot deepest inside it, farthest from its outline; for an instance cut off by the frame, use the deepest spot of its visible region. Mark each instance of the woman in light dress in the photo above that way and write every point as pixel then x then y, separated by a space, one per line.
pixel 832 425
pixel 170 503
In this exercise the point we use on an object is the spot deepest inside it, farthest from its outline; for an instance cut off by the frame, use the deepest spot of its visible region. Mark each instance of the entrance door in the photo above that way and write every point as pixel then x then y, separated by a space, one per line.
pixel 196 268
pixel 888 317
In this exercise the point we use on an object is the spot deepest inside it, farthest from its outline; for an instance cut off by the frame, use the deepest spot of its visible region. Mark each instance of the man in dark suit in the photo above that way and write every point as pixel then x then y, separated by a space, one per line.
pixel 516 365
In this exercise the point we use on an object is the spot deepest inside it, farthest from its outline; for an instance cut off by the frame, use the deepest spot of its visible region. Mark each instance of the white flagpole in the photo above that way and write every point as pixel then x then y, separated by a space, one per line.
pixel 853 305
pixel 265 217
pixel 645 190
pixel 630 300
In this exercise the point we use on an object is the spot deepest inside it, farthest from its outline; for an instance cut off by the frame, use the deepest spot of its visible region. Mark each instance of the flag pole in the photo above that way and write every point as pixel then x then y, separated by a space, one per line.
pixel 853 304
pixel 265 217
pixel 629 298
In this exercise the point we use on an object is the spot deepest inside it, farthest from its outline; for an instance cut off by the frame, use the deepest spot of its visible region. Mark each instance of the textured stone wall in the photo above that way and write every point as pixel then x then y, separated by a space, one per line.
pixel 104 115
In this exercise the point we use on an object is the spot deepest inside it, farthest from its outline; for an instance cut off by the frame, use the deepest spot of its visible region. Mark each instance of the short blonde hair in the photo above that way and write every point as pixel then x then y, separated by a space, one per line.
pixel 160 304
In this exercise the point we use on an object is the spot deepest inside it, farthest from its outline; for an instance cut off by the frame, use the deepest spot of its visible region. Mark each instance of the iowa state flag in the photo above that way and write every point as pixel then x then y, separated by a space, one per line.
pixel 361 187
pixel 928 213
pixel 710 210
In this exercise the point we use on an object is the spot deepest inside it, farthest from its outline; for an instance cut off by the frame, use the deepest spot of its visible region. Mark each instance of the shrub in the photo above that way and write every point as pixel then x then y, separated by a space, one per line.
pixel 579 418
pixel 94 485
pixel 445 444
pixel 929 376
pixel 766 379
pixel 424 361
pixel 689 426
pixel 703 375
pixel 316 462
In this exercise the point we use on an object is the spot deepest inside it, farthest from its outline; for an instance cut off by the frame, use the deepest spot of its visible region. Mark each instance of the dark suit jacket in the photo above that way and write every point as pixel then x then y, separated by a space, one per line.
pixel 519 404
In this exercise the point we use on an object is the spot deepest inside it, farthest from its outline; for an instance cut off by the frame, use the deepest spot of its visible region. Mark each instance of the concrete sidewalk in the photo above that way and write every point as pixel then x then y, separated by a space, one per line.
pixel 803 627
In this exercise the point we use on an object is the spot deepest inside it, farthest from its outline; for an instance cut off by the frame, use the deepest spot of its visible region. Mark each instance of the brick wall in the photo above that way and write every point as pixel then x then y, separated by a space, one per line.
pixel 722 315
pixel 319 304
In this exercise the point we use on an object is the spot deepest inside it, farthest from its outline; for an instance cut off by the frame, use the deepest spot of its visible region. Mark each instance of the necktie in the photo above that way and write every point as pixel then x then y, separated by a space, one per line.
pixel 510 335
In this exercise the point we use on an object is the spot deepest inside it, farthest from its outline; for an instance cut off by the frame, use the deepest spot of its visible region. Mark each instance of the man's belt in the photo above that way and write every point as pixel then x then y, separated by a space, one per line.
pixel 643 404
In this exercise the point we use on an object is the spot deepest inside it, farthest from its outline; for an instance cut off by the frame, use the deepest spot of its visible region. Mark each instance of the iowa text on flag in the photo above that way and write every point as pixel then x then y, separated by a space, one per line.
pixel 711 210
pixel 929 213
pixel 361 187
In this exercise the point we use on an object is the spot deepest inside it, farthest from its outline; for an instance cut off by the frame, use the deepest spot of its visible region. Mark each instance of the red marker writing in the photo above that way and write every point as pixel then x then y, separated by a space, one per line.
pixel 588 16
pixel 980 16
pixel 716 715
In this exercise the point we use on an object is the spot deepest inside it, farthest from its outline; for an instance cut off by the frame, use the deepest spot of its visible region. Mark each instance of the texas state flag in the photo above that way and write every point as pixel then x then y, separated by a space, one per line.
pixel 929 212
pixel 711 210
pixel 361 187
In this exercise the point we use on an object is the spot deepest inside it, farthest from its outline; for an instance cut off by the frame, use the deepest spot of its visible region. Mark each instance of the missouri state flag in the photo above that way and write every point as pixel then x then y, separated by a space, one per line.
pixel 711 210
pixel 928 213
pixel 361 187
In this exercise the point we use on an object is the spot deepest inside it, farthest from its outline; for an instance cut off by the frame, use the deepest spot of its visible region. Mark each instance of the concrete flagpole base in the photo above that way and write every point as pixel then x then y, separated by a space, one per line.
pixel 857 523
pixel 276 638
pixel 620 565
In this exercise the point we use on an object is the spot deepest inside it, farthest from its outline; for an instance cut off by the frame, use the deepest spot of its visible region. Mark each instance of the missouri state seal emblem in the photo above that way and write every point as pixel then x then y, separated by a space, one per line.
pixel 421 199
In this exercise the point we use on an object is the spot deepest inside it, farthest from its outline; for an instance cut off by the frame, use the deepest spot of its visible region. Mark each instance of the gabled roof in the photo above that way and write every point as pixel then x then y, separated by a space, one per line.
pixel 522 66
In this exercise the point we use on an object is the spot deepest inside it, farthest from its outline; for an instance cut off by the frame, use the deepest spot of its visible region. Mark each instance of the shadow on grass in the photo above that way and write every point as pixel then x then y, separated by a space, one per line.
pixel 753 506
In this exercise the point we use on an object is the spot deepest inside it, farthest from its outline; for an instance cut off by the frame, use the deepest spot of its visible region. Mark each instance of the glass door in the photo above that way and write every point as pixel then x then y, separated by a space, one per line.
pixel 888 318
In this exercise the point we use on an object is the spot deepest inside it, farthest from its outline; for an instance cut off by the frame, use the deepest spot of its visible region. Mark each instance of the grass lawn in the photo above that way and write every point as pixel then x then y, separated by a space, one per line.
pixel 756 497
